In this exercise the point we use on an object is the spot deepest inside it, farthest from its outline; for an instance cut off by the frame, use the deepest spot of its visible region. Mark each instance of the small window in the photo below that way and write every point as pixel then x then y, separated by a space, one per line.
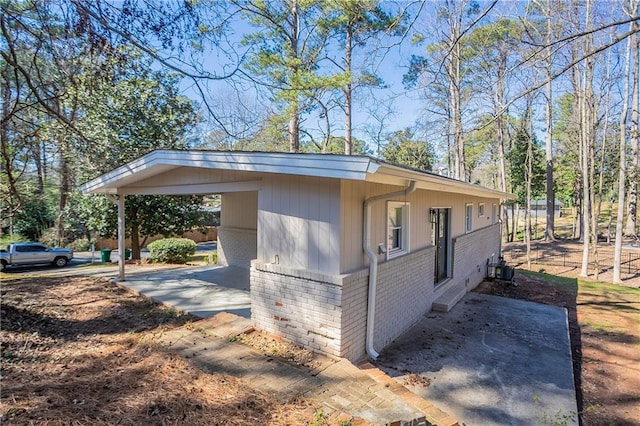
pixel 397 229
pixel 480 209
pixel 469 217
pixel 494 214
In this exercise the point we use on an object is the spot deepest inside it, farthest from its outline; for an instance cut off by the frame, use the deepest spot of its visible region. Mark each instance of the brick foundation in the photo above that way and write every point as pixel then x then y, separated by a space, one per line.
pixel 236 246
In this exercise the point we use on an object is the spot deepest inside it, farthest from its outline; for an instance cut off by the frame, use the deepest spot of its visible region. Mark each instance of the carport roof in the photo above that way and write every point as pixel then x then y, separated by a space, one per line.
pixel 126 179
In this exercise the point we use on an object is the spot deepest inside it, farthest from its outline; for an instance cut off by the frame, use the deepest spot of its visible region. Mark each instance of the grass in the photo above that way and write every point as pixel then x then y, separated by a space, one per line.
pixel 564 282
pixel 203 258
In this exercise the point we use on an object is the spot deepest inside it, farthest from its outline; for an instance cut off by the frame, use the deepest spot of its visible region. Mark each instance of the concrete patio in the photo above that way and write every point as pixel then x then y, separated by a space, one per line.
pixel 490 361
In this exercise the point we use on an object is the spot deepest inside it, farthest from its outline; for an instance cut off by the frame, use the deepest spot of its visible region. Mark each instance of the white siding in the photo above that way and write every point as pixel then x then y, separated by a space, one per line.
pixel 239 210
pixel 299 223
pixel 353 195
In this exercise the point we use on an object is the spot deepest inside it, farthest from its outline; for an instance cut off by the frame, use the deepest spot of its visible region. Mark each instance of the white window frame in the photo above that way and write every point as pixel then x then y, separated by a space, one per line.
pixel 403 228
pixel 468 217
pixel 480 209
pixel 494 214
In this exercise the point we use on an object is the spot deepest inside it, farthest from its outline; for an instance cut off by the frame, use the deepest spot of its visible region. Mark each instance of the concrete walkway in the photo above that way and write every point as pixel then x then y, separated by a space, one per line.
pixel 344 391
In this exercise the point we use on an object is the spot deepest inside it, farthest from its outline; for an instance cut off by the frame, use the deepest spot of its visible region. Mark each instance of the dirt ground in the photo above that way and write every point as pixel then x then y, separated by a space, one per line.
pixel 604 326
pixel 79 351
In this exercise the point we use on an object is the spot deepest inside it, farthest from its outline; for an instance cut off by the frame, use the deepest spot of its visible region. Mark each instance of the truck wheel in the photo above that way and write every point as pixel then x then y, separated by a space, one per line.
pixel 3 265
pixel 60 261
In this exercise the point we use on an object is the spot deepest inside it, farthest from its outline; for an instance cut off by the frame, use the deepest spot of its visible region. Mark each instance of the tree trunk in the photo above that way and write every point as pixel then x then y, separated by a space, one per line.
pixel 294 127
pixel 65 188
pixel 11 191
pixel 348 149
pixel 528 176
pixel 294 107
pixel 502 171
pixel 617 253
pixel 632 210
pixel 135 241
pixel 549 228
pixel 586 102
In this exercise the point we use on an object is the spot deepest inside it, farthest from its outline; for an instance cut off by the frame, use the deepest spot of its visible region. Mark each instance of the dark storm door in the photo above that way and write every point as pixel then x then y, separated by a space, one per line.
pixel 440 238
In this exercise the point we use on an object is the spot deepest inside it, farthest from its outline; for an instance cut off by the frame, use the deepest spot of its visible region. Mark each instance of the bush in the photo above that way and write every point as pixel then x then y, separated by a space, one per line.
pixel 172 250
pixel 81 244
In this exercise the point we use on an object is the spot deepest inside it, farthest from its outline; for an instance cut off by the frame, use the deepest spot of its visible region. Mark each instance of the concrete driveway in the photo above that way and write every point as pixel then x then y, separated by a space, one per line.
pixel 202 291
pixel 490 361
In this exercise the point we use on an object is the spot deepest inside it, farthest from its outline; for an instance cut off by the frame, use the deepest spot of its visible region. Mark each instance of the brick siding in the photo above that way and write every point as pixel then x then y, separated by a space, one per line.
pixel 405 294
pixel 328 313
pixel 236 246
pixel 299 305
pixel 470 254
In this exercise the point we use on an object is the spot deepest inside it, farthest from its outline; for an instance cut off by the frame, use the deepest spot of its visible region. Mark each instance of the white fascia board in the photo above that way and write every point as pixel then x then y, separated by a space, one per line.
pixel 391 174
pixel 156 162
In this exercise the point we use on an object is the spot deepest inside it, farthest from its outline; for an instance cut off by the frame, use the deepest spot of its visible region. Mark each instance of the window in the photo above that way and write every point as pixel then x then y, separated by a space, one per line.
pixel 480 209
pixel 397 229
pixel 469 217
pixel 494 214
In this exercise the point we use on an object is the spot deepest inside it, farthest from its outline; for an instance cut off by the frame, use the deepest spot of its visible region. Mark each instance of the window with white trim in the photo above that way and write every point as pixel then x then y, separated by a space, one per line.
pixel 480 209
pixel 494 214
pixel 397 228
pixel 468 217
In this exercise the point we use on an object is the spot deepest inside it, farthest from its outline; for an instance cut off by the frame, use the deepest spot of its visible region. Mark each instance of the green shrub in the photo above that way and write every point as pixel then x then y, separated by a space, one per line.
pixel 172 250
pixel 81 244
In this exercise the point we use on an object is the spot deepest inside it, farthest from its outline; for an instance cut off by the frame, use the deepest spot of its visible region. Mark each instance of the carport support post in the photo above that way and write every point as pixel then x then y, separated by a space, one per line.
pixel 121 252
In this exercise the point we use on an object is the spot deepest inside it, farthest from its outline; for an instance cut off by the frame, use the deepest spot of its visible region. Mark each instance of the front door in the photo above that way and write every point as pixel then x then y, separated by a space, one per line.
pixel 440 238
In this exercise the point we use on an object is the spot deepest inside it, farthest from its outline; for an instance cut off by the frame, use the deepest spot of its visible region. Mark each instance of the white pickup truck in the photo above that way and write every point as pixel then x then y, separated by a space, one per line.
pixel 33 254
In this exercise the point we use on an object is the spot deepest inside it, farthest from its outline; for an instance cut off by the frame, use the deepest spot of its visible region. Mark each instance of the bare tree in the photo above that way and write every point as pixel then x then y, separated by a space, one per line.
pixel 633 9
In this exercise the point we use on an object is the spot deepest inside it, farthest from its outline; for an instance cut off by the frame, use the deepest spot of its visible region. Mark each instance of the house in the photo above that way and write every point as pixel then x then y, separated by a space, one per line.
pixel 345 252
pixel 539 208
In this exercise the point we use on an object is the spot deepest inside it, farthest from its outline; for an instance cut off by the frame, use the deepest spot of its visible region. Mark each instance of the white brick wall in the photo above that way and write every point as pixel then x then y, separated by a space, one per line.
pixel 299 305
pixel 328 313
pixel 236 246
pixel 354 315
pixel 405 294
pixel 470 254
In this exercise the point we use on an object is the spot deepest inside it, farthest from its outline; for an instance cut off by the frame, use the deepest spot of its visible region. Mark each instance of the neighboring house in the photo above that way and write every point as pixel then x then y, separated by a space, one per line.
pixel 539 208
pixel 346 252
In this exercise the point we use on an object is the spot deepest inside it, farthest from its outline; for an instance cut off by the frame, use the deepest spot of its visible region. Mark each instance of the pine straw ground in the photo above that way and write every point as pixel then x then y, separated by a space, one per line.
pixel 79 351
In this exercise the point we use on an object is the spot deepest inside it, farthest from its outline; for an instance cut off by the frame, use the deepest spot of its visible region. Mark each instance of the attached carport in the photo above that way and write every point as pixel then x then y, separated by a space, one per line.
pixel 178 173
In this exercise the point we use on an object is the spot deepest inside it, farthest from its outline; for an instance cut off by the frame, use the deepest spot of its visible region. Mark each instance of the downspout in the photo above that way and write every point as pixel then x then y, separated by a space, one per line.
pixel 373 262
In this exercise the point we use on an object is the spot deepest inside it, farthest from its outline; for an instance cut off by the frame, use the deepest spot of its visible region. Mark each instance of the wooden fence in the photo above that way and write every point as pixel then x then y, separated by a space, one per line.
pixel 197 236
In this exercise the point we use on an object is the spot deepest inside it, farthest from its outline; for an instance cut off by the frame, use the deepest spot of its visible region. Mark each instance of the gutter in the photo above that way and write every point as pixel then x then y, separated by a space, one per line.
pixel 373 262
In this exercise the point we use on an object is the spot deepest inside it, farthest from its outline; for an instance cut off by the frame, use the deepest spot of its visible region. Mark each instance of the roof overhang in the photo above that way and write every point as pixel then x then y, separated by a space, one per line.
pixel 246 168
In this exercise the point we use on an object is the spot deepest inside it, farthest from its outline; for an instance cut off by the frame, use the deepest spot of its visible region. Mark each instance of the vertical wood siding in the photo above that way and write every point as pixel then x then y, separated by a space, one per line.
pixel 299 222
pixel 191 176
pixel 239 210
